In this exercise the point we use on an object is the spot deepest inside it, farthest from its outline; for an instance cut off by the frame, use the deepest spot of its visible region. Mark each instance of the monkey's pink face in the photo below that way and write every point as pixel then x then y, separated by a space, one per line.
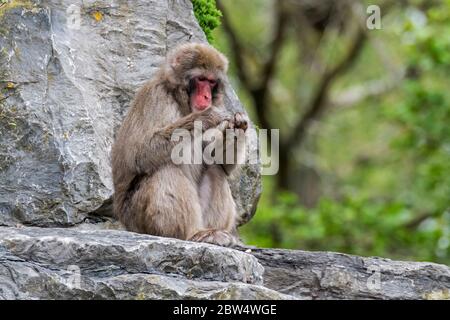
pixel 202 89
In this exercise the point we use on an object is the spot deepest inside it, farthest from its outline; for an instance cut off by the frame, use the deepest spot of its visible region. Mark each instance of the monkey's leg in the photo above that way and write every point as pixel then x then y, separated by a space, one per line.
pixel 168 205
pixel 218 209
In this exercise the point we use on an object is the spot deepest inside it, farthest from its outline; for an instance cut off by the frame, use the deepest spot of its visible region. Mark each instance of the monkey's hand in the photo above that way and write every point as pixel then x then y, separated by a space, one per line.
pixel 215 117
pixel 238 121
pixel 241 121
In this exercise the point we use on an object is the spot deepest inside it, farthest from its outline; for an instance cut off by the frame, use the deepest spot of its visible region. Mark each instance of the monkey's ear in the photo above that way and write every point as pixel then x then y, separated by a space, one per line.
pixel 183 55
pixel 175 61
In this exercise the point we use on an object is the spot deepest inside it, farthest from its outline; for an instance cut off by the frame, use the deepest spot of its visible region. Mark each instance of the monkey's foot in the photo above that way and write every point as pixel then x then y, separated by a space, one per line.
pixel 219 237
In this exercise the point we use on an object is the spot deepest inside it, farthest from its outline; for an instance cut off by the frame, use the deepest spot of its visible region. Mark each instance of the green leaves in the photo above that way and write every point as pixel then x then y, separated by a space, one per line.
pixel 208 16
pixel 358 226
pixel 384 163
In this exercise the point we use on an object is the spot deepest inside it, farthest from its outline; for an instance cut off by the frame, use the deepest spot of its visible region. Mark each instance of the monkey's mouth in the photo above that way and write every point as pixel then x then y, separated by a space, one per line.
pixel 201 107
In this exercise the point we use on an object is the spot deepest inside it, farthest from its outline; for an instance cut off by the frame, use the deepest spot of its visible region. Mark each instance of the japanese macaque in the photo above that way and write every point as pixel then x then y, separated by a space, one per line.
pixel 154 195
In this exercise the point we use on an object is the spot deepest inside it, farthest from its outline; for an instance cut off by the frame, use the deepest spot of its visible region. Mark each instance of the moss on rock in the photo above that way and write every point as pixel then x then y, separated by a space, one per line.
pixel 208 16
pixel 6 5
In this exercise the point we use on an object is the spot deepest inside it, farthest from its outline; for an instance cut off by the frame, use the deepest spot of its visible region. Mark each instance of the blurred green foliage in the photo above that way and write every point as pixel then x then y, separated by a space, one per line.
pixel 208 16
pixel 384 163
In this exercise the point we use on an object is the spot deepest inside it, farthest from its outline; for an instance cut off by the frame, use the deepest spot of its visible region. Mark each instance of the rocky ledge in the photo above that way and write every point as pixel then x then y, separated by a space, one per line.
pixel 77 263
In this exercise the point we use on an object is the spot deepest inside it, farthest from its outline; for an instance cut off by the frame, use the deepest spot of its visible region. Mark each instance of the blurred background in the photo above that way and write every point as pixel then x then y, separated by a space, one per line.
pixel 364 119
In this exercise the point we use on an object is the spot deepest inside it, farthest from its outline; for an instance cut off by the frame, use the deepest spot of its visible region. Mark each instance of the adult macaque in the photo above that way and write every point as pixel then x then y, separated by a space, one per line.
pixel 152 194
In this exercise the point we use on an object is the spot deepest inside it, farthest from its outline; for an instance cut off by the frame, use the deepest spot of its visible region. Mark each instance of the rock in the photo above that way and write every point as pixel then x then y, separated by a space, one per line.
pixel 75 263
pixel 329 275
pixel 68 70
pixel 129 252
pixel 54 263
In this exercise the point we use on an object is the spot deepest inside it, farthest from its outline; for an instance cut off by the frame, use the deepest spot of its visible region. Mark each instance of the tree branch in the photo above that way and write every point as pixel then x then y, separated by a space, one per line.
pixel 415 222
pixel 277 44
pixel 319 100
pixel 237 50
pixel 358 93
pixel 260 92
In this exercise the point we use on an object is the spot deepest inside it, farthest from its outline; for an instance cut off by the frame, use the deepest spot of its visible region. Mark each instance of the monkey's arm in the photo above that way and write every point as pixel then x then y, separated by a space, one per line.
pixel 155 148
pixel 209 118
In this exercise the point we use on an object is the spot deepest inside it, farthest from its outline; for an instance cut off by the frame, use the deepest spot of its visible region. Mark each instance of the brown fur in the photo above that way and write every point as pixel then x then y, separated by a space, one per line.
pixel 153 195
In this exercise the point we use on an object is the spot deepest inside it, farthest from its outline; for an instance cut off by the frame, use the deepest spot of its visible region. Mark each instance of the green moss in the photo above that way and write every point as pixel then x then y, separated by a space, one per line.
pixel 5 162
pixel 6 5
pixel 437 295
pixel 141 296
pixel 208 16
pixel 49 205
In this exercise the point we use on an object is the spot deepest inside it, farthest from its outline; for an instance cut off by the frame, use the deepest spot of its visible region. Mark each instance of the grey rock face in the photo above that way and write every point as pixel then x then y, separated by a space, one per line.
pixel 79 263
pixel 126 252
pixel 329 275
pixel 53 263
pixel 68 70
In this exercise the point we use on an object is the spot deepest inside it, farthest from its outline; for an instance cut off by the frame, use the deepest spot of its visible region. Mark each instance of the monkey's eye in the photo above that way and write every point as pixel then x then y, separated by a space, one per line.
pixel 215 88
pixel 212 82
pixel 191 87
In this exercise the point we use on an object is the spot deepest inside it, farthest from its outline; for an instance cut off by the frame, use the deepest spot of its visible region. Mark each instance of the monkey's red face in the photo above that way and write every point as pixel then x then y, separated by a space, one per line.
pixel 202 89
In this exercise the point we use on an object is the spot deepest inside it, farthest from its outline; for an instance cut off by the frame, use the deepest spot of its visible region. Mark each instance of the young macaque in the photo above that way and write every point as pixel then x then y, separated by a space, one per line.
pixel 152 194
